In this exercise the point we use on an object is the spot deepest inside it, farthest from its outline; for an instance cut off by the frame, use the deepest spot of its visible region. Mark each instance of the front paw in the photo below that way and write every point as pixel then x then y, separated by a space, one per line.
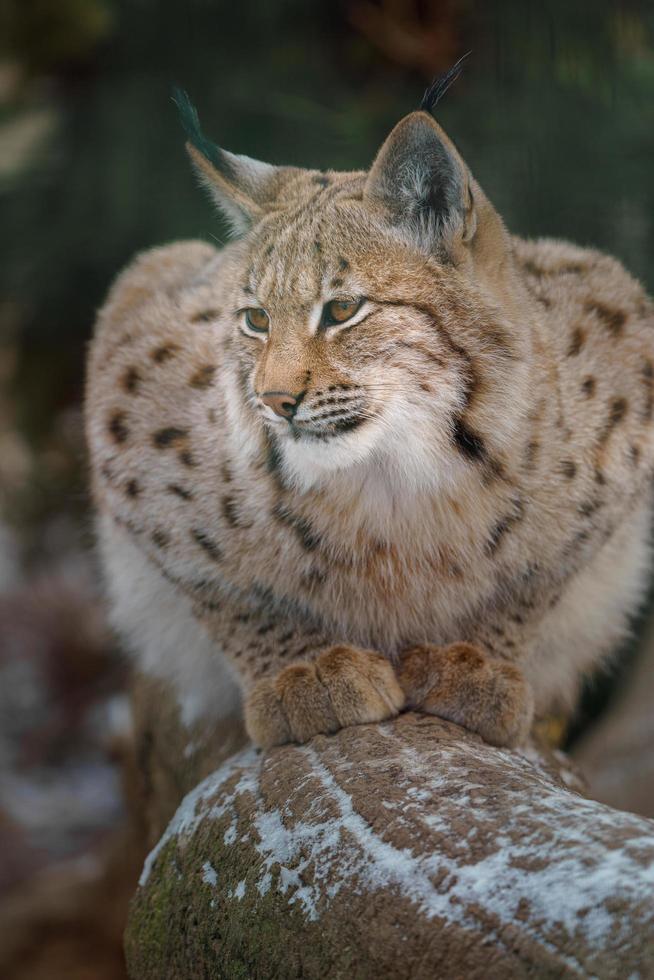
pixel 463 684
pixel 342 687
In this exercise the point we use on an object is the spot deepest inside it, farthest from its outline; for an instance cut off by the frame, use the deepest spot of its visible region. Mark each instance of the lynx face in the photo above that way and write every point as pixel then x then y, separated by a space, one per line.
pixel 349 292
pixel 332 355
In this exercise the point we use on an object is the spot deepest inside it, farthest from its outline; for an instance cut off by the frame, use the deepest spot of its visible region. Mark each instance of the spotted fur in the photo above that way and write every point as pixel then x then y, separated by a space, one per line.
pixel 469 462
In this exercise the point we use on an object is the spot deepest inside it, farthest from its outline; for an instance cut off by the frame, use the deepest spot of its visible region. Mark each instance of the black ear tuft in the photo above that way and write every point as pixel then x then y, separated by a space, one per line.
pixel 440 85
pixel 190 120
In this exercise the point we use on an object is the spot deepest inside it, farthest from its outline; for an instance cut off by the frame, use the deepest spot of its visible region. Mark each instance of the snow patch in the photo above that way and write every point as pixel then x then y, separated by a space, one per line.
pixel 190 811
pixel 209 874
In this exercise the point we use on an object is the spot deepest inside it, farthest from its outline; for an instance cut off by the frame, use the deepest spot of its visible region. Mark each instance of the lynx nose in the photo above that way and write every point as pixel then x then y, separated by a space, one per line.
pixel 282 403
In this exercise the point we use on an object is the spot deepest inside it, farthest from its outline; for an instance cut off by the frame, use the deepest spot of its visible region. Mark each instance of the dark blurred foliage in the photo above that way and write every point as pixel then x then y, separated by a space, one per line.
pixel 554 114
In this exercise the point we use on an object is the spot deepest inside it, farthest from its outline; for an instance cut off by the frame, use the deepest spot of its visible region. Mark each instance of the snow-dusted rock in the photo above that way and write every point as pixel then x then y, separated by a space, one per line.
pixel 409 849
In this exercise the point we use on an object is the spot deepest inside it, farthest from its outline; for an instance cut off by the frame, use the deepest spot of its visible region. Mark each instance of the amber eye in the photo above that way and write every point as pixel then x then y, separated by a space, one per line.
pixel 338 311
pixel 257 319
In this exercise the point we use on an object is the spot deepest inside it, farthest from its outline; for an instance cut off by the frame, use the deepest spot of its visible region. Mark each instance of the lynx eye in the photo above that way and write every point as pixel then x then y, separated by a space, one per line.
pixel 338 311
pixel 257 319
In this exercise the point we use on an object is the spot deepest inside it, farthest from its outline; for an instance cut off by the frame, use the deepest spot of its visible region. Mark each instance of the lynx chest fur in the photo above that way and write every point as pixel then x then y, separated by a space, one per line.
pixel 375 452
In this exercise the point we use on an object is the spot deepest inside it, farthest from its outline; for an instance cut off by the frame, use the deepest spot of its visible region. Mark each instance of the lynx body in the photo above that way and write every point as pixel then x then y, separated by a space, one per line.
pixel 376 452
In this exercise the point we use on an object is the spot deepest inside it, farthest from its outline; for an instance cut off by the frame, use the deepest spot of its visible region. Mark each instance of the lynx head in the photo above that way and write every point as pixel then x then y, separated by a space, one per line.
pixel 361 301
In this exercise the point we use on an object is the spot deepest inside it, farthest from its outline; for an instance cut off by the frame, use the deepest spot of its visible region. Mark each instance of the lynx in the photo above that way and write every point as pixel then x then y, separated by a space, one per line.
pixel 376 453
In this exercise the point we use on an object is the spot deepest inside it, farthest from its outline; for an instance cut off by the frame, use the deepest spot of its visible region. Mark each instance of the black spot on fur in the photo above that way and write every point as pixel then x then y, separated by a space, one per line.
pixel 588 507
pixel 170 436
pixel 503 526
pixel 577 340
pixel 634 455
pixel 273 457
pixel 131 381
pixel 323 402
pixel 617 411
pixel 588 386
pixel 117 427
pixel 494 470
pixel 178 491
pixel 569 469
pixel 532 269
pixel 497 338
pixel 614 320
pixel 207 544
pixel 571 269
pixel 187 459
pixel 531 453
pixel 203 377
pixel 314 578
pixel 205 316
pixel 231 514
pixel 307 537
pixel 161 538
pixel 468 442
pixel 346 424
pixel 132 488
pixel 162 354
pixel 334 413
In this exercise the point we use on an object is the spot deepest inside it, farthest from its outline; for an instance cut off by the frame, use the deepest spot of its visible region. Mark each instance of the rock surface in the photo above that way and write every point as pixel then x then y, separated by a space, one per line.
pixel 171 757
pixel 408 849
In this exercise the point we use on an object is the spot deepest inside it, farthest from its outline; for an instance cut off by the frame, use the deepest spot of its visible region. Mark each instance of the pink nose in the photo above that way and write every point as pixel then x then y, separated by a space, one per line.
pixel 282 403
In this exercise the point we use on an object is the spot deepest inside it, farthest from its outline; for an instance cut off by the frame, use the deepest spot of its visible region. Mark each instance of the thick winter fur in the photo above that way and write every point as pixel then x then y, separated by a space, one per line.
pixel 456 518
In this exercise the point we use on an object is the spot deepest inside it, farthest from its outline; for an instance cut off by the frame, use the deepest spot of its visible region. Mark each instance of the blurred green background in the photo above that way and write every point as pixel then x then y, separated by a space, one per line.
pixel 554 113
pixel 555 116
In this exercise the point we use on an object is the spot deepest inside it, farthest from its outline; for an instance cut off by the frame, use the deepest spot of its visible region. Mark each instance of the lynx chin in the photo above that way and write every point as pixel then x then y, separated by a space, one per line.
pixel 375 453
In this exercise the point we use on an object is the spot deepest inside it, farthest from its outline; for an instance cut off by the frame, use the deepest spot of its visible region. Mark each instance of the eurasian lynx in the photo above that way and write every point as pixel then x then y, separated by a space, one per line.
pixel 376 452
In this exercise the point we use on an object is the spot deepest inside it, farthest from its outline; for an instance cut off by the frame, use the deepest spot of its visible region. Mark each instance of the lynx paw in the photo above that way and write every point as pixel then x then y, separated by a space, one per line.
pixel 343 686
pixel 462 684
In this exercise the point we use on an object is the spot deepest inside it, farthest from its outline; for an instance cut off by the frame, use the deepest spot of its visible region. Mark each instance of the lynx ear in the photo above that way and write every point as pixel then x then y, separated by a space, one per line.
pixel 240 186
pixel 423 184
